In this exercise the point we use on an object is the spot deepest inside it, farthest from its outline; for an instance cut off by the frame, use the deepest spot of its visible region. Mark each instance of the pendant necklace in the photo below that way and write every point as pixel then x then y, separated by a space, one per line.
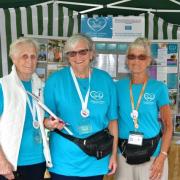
pixel 84 110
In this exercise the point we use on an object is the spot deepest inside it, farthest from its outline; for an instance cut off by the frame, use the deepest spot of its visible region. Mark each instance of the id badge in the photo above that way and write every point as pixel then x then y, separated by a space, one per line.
pixel 85 126
pixel 135 138
pixel 37 136
pixel 85 129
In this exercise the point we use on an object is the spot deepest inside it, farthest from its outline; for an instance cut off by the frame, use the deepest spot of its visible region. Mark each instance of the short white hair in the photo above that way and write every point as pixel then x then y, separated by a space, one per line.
pixel 21 41
pixel 74 39
pixel 141 43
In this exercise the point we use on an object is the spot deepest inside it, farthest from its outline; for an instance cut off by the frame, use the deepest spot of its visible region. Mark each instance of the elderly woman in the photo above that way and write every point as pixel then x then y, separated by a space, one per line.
pixel 22 136
pixel 144 140
pixel 85 98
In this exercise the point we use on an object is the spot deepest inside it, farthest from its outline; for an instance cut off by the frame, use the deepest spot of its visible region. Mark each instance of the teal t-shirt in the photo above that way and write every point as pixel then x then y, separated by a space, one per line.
pixel 155 96
pixel 62 98
pixel 31 148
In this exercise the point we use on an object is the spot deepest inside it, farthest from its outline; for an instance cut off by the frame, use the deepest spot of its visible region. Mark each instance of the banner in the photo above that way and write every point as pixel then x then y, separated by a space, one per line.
pixel 97 26
pixel 120 27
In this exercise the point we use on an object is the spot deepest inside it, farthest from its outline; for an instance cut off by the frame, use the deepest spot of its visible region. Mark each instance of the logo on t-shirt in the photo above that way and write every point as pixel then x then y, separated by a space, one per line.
pixel 149 98
pixel 97 97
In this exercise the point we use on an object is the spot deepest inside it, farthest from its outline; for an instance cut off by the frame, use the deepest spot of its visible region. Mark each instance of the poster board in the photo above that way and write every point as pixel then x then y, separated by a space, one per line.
pixel 121 27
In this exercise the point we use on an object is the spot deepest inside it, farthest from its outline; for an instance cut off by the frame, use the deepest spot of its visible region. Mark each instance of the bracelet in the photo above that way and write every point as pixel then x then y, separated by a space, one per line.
pixel 164 153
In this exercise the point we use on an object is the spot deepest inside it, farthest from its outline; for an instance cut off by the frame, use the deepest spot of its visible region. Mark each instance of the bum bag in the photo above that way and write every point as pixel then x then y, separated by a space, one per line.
pixel 136 154
pixel 98 145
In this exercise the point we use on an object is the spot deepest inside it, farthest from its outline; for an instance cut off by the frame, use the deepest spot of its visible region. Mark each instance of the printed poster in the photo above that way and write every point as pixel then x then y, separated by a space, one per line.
pixel 97 26
pixel 128 27
pixel 122 27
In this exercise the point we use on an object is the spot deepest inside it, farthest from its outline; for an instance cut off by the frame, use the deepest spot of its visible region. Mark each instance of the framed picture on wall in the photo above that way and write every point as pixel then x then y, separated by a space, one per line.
pixel 55 50
pixel 42 55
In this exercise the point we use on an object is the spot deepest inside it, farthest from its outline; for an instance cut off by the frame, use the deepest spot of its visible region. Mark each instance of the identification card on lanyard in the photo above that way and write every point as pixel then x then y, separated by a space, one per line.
pixel 135 138
pixel 84 127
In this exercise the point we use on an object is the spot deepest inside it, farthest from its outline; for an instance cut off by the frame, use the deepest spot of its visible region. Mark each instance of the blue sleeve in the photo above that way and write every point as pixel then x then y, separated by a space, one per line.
pixel 112 110
pixel 1 100
pixel 163 97
pixel 49 94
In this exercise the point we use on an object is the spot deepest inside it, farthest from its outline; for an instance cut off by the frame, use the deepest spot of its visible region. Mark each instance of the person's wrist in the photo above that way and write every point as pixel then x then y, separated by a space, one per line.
pixel 164 153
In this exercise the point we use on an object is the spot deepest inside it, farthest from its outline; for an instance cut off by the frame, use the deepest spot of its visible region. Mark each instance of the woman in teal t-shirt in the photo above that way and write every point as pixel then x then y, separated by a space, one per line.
pixel 140 100
pixel 85 98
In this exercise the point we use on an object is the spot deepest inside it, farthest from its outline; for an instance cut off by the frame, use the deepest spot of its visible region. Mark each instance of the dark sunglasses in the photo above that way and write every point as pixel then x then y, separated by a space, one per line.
pixel 81 52
pixel 140 57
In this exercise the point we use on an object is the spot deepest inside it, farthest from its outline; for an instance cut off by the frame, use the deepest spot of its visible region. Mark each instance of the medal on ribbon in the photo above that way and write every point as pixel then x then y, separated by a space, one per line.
pixel 84 102
pixel 85 113
pixel 134 115
pixel 36 124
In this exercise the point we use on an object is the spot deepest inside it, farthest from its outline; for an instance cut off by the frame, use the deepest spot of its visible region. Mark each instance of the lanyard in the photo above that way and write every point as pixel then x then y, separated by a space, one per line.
pixel 134 113
pixel 84 103
pixel 32 108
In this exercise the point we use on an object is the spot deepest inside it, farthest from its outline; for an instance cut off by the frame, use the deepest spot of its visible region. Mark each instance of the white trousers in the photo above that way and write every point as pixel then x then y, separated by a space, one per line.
pixel 137 172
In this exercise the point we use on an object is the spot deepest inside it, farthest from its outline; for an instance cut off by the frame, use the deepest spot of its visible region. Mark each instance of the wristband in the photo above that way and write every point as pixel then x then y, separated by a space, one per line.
pixel 164 153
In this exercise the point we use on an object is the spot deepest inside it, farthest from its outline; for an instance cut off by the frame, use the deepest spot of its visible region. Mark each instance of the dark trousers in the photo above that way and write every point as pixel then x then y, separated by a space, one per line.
pixel 61 177
pixel 30 172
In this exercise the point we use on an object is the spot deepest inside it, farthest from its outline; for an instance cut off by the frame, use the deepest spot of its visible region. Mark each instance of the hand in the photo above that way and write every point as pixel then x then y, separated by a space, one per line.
pixel 51 123
pixel 157 167
pixel 6 169
pixel 112 165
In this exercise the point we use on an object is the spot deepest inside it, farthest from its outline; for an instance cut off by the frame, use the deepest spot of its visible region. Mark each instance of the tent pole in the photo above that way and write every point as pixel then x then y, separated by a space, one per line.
pixel 143 9
pixel 118 2
pixel 131 8
pixel 174 1
pixel 92 9
pixel 76 3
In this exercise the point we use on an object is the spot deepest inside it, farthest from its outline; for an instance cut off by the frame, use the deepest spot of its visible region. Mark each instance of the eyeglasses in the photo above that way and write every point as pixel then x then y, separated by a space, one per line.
pixel 140 57
pixel 81 52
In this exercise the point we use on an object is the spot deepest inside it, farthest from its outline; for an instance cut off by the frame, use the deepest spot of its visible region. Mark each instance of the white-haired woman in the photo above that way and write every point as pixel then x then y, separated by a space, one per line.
pixel 22 136
pixel 85 98
pixel 144 140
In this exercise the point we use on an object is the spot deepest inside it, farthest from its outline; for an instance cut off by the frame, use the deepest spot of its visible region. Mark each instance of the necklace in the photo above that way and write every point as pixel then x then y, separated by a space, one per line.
pixel 134 113
pixel 84 102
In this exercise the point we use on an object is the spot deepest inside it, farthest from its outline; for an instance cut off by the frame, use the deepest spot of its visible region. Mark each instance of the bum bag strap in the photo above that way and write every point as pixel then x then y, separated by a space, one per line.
pixel 71 138
pixel 157 137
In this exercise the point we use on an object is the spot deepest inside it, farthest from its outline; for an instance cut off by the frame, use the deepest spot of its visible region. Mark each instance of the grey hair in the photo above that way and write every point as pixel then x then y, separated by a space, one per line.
pixel 21 41
pixel 141 43
pixel 74 39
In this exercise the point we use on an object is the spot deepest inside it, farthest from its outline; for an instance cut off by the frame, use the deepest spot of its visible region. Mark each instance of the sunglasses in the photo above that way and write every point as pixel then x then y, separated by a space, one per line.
pixel 81 52
pixel 140 57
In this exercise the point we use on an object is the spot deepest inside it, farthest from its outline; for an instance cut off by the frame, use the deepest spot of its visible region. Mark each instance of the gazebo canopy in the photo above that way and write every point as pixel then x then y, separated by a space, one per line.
pixel 169 10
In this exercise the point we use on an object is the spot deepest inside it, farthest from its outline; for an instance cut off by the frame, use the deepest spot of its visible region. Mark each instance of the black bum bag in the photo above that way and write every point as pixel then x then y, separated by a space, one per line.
pixel 98 145
pixel 136 154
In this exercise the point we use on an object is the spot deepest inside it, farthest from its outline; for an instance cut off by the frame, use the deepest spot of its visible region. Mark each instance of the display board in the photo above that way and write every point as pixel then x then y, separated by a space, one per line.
pixel 111 56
